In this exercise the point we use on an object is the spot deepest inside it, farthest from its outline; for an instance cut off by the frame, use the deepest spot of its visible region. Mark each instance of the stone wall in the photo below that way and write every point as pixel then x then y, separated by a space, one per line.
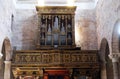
pixel 25 29
pixel 86 29
pixel 88 33
pixel 107 13
pixel 6 12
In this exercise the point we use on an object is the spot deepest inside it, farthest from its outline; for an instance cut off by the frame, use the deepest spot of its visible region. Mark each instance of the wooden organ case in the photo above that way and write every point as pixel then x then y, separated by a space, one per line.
pixel 56 27
pixel 56 56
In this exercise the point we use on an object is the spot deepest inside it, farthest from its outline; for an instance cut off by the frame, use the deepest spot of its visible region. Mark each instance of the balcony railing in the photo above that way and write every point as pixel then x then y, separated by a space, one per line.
pixel 56 58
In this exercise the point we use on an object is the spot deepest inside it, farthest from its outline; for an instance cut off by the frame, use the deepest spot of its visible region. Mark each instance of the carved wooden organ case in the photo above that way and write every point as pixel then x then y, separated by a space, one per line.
pixel 56 27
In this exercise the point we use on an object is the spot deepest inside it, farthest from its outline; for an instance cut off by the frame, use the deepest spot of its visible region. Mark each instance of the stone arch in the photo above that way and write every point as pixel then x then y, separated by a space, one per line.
pixel 6 56
pixel 8 49
pixel 106 63
pixel 115 37
pixel 2 64
pixel 116 40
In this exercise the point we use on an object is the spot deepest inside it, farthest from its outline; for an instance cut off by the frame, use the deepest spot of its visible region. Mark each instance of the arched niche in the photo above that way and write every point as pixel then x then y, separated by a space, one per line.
pixel 106 62
pixel 2 64
pixel 6 56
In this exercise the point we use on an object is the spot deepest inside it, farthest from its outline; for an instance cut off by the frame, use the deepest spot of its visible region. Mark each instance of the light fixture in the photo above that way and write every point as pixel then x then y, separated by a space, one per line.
pixel 70 2
pixel 40 2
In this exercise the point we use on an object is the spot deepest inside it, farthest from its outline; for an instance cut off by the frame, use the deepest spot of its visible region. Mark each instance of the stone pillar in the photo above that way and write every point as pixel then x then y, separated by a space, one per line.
pixel 7 71
pixel 103 70
pixel 115 60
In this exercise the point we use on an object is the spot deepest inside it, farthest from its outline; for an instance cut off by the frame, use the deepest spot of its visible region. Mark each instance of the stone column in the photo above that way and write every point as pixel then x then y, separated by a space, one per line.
pixel 7 71
pixel 115 60
pixel 103 70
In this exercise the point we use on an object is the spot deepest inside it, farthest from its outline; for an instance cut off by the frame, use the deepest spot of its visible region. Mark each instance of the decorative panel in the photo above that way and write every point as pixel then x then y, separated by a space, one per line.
pixel 57 58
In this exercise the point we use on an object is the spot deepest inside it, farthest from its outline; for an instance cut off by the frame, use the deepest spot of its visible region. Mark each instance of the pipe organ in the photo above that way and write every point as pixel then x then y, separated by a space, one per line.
pixel 55 56
pixel 56 27
pixel 56 30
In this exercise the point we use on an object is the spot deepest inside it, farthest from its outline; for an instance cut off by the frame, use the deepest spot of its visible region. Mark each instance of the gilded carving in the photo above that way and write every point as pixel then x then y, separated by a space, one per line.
pixel 28 58
pixel 22 58
pixel 17 58
pixel 56 9
pixel 56 57
pixel 73 58
pixel 33 58
pixel 51 58
pixel 46 58
pixel 30 63
pixel 66 58
pixel 38 58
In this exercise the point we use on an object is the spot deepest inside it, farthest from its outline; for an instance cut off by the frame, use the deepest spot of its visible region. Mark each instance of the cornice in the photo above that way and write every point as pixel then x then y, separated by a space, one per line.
pixel 55 9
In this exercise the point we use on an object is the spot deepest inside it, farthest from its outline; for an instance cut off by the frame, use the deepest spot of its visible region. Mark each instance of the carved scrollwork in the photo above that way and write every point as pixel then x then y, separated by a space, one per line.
pixel 38 58
pixel 28 58
pixel 50 9
pixel 17 58
pixel 66 58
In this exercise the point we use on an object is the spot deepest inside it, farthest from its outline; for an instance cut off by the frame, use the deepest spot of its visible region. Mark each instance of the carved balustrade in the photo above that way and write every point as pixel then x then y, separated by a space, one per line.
pixel 56 58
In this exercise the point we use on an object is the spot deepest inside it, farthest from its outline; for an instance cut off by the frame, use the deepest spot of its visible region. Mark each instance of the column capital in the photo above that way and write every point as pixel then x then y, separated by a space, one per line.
pixel 114 56
pixel 7 62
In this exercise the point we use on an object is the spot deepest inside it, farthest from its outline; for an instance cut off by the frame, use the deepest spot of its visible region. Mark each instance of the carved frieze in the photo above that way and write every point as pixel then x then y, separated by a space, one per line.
pixel 53 57
pixel 56 9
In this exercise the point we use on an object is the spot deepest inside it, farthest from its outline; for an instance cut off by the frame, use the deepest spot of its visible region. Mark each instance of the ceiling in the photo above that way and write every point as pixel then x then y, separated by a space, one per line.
pixel 29 4
pixel 55 1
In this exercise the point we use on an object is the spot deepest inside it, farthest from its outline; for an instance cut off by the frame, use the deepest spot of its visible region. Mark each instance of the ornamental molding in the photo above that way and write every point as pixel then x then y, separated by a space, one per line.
pixel 56 9
pixel 56 58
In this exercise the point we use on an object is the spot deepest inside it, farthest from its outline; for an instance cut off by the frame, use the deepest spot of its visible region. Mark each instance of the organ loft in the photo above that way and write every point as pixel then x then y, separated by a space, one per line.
pixel 56 55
